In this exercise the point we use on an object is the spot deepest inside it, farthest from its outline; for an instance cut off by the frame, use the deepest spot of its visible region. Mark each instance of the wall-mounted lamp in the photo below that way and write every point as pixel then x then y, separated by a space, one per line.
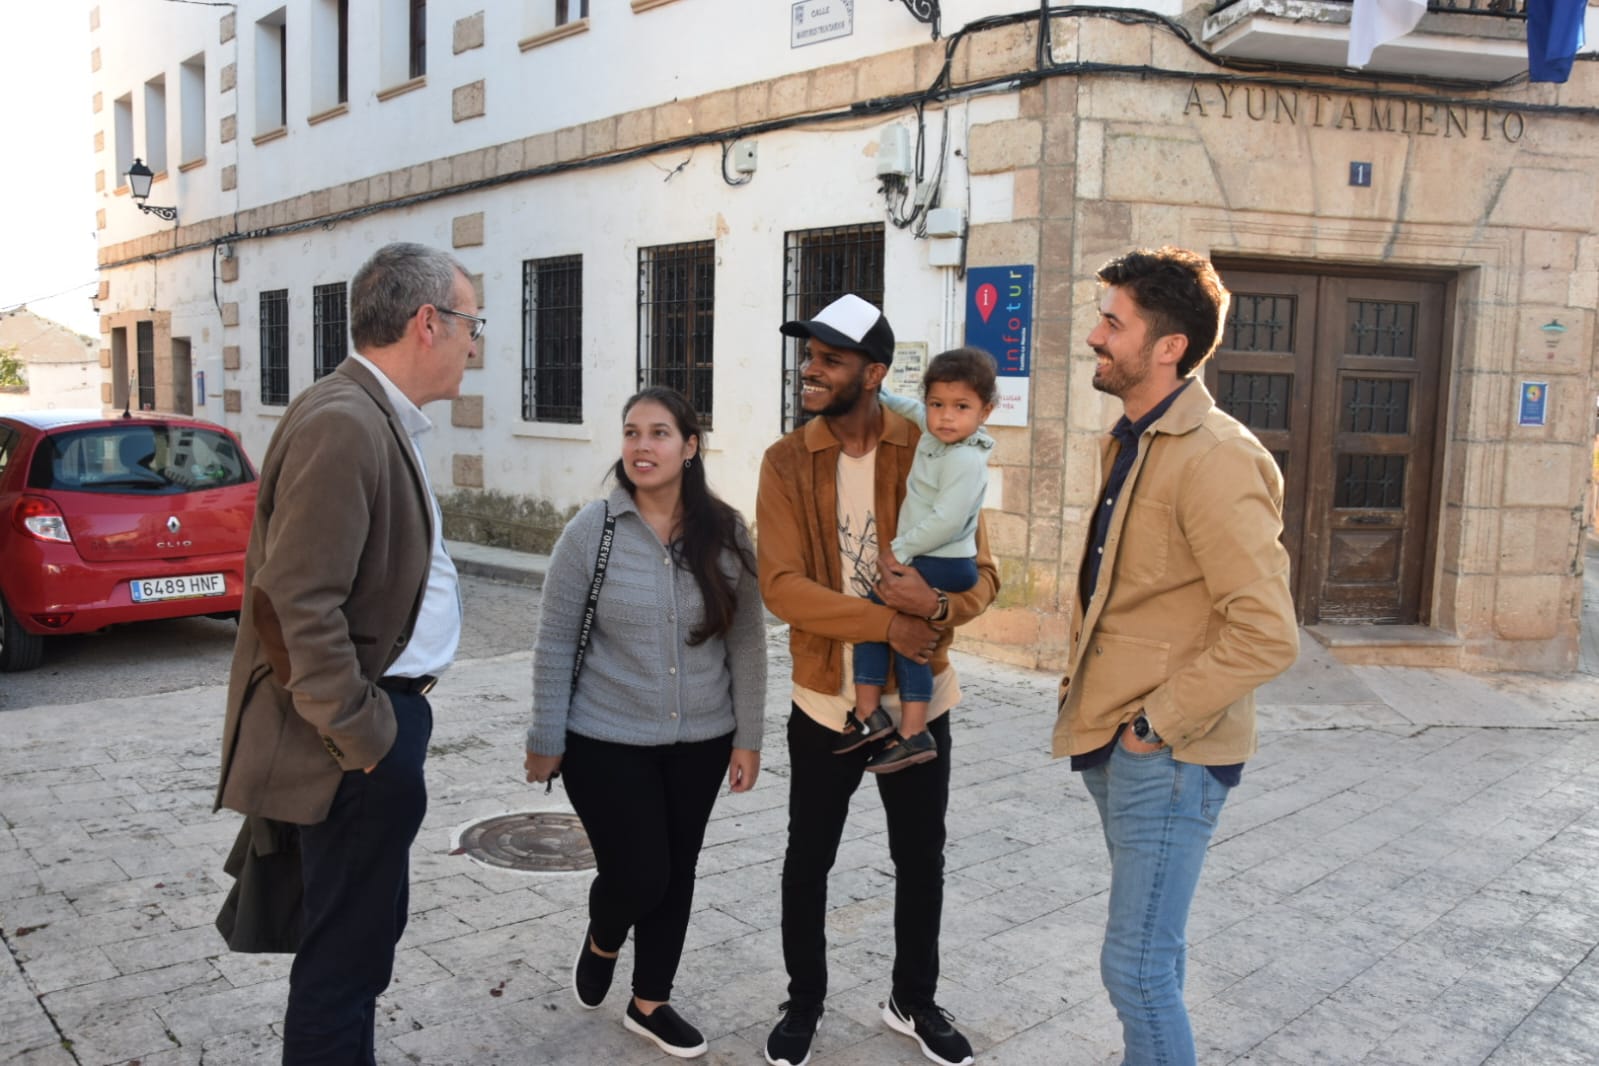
pixel 139 179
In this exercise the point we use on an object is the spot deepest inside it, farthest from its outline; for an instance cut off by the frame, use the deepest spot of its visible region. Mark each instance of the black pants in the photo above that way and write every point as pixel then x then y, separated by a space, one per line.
pixel 915 799
pixel 645 811
pixel 356 868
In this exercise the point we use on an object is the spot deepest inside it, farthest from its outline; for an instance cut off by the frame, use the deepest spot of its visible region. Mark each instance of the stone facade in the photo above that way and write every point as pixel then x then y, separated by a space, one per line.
pixel 1132 139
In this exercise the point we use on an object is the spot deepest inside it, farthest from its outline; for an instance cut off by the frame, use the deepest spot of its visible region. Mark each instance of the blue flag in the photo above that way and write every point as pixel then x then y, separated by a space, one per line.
pixel 1554 35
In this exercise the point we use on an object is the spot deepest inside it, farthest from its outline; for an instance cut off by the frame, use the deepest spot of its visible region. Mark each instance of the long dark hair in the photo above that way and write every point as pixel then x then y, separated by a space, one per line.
pixel 710 526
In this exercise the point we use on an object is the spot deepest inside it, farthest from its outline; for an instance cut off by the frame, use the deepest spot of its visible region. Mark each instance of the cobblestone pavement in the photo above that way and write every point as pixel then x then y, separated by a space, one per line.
pixel 1409 873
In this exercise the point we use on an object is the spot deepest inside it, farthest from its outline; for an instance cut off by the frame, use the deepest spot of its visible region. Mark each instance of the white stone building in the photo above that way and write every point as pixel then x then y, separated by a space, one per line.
pixel 644 189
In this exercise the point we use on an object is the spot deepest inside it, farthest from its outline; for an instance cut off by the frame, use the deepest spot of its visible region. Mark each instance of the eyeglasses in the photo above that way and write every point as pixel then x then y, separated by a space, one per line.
pixel 477 323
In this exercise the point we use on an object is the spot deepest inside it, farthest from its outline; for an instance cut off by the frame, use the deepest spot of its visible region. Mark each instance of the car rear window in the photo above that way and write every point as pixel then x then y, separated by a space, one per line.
pixel 140 458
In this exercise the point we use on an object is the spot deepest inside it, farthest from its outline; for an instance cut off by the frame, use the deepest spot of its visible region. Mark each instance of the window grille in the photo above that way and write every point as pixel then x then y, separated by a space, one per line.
pixel 330 328
pixel 144 342
pixel 275 348
pixel 820 265
pixel 552 339
pixel 419 38
pixel 676 320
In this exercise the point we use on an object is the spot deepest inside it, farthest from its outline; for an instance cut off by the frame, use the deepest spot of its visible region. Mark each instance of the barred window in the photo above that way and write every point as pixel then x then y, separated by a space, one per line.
pixel 144 346
pixel 676 317
pixel 820 265
pixel 275 348
pixel 552 339
pixel 331 320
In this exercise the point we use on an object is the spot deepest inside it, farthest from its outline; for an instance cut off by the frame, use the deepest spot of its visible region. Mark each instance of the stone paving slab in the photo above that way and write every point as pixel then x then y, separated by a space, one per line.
pixel 1409 873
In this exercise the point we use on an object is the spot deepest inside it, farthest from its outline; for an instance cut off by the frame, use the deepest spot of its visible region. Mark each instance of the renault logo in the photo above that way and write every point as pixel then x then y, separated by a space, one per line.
pixel 173 525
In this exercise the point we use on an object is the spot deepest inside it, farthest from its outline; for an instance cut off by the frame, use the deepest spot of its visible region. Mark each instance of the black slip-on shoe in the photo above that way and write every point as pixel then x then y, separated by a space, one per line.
pixel 591 975
pixel 666 1029
pixel 903 752
pixel 790 1041
pixel 856 732
pixel 930 1027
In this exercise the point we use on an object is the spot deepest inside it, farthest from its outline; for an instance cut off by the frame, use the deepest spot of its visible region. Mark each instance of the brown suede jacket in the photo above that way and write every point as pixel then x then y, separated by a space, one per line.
pixel 796 534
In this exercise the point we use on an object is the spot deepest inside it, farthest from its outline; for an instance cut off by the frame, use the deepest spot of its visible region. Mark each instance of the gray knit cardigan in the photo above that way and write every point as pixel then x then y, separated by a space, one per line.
pixel 641 682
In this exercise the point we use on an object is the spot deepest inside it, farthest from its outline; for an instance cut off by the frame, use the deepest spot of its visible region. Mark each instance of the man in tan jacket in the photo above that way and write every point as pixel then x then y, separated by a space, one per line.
pixel 830 493
pixel 351 611
pixel 1183 611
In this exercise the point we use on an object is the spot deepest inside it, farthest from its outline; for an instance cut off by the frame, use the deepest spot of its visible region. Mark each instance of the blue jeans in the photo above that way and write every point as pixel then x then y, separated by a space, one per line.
pixel 915 679
pixel 1158 816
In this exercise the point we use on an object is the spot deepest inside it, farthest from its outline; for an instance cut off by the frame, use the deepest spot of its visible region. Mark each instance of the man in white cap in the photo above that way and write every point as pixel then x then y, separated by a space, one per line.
pixel 830 492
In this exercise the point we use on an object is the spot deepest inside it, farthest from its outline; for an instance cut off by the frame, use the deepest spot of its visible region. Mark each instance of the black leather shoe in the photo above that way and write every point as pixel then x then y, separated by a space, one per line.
pixel 666 1029
pixel 856 732
pixel 591 975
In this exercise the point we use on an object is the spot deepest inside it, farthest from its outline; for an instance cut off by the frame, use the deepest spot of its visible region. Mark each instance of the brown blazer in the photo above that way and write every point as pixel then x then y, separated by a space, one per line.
pixel 337 564
pixel 1192 610
pixel 796 534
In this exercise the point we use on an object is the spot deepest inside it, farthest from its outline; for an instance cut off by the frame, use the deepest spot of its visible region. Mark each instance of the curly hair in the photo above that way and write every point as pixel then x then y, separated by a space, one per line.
pixel 971 367
pixel 1178 291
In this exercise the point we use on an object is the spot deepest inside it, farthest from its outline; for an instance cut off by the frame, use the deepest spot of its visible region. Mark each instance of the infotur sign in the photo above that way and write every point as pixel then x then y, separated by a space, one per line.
pixel 814 21
pixel 999 320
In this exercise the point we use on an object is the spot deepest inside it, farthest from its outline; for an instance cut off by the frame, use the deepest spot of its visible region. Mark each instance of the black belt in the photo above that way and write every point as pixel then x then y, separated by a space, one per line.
pixel 411 686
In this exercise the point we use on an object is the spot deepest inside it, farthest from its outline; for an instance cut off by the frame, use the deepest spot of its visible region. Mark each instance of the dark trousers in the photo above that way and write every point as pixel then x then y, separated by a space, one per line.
pixel 915 799
pixel 356 868
pixel 645 811
pixel 915 679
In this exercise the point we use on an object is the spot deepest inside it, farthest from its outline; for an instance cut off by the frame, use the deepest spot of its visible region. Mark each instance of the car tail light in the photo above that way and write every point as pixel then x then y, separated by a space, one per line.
pixel 41 519
pixel 53 621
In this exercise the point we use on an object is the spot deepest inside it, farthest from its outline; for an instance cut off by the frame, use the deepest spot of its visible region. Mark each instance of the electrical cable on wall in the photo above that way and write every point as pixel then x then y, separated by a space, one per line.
pixel 944 90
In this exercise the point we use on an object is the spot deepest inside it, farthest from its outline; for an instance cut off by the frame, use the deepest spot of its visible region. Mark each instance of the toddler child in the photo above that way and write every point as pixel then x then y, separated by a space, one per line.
pixel 937 533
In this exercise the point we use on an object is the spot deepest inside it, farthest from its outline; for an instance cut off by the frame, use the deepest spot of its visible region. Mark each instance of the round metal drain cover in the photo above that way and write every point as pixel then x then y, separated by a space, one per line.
pixel 541 841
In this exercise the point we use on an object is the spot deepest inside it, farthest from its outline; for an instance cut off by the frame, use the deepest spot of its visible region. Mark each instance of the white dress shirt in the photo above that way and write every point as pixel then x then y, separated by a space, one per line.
pixel 438 623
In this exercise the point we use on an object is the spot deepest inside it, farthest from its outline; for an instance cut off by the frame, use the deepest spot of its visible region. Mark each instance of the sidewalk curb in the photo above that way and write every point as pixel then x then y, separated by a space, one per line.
pixel 509 575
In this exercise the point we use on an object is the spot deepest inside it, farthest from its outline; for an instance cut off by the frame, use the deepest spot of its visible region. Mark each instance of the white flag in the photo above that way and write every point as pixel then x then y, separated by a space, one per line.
pixel 1376 22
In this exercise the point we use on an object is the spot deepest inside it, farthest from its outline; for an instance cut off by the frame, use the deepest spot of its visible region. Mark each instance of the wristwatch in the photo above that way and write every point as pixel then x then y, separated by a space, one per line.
pixel 1144 731
pixel 942 613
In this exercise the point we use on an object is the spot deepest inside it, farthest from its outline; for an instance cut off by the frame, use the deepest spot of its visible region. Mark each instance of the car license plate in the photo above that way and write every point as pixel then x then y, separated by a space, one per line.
pixel 150 589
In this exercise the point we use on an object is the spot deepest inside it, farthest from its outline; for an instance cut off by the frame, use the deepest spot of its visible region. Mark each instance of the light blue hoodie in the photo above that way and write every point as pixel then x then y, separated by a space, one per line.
pixel 944 491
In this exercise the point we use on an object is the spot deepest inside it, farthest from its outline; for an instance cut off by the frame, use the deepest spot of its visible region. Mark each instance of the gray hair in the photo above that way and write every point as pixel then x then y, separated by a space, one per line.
pixel 389 287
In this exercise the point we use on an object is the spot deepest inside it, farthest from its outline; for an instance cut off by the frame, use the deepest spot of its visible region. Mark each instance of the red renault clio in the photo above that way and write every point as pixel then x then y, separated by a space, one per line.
pixel 110 520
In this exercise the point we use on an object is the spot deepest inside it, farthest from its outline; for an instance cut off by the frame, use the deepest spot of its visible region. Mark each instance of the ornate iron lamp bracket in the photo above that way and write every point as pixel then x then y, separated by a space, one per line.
pixel 924 11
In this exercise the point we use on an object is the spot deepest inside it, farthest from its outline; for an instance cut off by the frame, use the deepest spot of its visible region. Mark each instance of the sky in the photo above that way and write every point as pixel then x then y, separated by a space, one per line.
pixel 47 200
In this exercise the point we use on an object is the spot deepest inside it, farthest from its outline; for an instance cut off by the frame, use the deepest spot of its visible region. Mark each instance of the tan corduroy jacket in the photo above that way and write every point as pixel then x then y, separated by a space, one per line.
pixel 1191 612
pixel 335 571
pixel 796 536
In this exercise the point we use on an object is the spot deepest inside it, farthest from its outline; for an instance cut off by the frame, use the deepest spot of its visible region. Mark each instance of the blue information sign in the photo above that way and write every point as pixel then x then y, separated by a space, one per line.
pixel 1534 403
pixel 999 316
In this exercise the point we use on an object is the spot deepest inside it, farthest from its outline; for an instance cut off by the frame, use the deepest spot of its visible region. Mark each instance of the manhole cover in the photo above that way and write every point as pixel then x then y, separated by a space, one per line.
pixel 543 841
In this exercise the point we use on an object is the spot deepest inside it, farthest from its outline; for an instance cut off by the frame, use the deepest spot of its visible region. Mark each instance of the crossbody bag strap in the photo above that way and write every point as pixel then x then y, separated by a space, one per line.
pixel 587 628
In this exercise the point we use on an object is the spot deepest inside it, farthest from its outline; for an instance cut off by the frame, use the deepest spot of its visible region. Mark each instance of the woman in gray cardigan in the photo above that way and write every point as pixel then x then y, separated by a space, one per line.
pixel 671 695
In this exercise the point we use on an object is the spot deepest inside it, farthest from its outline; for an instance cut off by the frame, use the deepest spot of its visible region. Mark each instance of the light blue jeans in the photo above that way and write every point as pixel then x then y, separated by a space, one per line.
pixel 1158 815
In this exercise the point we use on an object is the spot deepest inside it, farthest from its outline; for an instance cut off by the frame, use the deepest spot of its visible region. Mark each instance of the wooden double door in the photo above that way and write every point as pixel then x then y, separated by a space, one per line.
pixel 1339 377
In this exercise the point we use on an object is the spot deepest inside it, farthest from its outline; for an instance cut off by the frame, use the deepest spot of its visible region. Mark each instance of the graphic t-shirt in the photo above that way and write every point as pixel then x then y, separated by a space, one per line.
pixel 857 547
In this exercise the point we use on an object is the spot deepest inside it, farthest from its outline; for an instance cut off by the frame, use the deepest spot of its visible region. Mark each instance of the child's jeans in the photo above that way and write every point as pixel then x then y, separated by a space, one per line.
pixel 915 679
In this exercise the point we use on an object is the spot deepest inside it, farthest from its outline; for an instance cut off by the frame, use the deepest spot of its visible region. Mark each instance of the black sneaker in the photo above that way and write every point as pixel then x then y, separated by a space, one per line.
pixel 790 1042
pixel 878 724
pixel 904 751
pixel 591 975
pixel 930 1027
pixel 666 1029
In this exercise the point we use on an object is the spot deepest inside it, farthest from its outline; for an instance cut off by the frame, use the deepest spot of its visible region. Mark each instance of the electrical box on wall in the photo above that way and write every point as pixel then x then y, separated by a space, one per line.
pixel 944 252
pixel 894 153
pixel 743 157
pixel 945 222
